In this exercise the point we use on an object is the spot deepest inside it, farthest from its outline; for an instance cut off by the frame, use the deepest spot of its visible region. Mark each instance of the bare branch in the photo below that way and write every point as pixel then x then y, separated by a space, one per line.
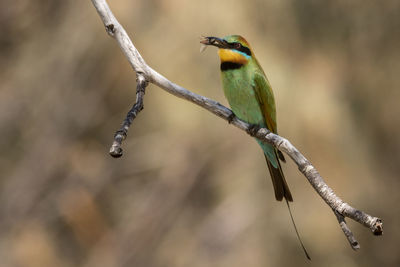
pixel 120 135
pixel 340 208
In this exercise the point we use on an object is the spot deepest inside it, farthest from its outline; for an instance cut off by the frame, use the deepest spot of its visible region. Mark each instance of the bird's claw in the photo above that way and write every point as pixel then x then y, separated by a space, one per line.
pixel 253 129
pixel 231 118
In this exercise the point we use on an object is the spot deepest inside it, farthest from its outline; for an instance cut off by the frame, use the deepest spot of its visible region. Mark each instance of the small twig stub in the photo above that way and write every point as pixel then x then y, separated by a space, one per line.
pixel 110 29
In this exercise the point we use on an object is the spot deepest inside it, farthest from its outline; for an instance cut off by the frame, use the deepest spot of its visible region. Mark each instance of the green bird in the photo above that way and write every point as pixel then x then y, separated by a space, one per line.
pixel 250 96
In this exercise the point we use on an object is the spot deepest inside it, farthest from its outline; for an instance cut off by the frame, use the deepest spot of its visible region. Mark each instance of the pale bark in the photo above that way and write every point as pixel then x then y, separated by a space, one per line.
pixel 146 74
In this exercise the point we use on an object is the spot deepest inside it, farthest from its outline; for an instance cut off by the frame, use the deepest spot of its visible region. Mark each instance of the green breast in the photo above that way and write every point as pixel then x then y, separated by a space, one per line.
pixel 238 89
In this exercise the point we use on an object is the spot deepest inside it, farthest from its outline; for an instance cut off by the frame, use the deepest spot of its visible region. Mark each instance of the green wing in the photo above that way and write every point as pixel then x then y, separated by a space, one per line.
pixel 265 98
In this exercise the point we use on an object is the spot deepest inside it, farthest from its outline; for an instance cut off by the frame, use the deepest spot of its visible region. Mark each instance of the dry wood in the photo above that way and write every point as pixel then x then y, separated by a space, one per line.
pixel 146 74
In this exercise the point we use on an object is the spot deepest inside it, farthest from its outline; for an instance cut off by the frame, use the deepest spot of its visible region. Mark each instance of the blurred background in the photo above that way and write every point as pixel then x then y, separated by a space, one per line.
pixel 192 190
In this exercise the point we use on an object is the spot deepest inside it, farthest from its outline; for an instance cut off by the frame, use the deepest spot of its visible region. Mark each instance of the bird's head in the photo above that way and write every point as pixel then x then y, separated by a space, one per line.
pixel 232 48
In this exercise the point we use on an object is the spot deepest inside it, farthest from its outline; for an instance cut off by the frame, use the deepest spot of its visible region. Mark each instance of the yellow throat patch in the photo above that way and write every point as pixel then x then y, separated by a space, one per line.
pixel 228 55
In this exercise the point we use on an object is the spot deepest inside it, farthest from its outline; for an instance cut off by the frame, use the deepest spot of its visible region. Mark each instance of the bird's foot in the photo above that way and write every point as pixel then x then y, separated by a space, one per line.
pixel 253 129
pixel 231 118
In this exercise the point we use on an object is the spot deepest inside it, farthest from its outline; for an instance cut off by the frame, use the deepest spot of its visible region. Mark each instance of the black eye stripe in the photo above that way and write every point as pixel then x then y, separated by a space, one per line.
pixel 242 48
pixel 245 50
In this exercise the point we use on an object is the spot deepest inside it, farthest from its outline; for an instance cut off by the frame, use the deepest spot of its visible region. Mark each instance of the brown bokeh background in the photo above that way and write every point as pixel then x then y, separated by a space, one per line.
pixel 192 190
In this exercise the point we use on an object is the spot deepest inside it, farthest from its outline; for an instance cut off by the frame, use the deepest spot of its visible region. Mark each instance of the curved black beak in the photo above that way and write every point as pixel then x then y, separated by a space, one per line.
pixel 215 41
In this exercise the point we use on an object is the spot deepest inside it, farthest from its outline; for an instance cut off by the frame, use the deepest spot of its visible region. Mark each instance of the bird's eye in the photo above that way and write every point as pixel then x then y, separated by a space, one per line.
pixel 237 45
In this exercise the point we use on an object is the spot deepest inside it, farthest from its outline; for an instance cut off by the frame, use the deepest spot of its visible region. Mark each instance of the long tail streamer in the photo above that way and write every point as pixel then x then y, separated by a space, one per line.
pixel 297 232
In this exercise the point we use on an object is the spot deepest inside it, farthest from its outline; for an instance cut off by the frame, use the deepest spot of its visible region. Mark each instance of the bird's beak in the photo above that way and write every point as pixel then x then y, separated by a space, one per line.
pixel 215 41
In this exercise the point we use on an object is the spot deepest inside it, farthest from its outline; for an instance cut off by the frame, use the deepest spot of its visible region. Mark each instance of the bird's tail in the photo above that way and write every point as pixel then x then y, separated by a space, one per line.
pixel 282 191
pixel 278 180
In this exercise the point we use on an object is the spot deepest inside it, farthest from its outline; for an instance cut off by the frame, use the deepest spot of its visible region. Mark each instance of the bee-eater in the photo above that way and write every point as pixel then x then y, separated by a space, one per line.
pixel 250 96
